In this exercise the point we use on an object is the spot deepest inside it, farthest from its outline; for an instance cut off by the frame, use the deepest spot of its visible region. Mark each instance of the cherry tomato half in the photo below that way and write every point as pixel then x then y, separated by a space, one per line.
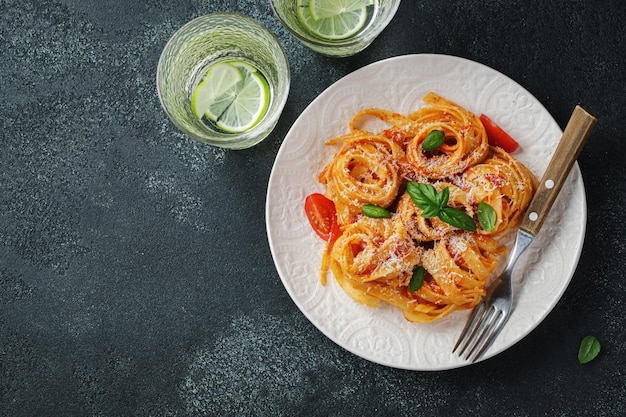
pixel 323 217
pixel 497 136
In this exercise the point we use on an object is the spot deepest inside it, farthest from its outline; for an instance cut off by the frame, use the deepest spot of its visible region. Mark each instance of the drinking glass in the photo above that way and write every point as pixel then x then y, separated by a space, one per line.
pixel 195 48
pixel 293 15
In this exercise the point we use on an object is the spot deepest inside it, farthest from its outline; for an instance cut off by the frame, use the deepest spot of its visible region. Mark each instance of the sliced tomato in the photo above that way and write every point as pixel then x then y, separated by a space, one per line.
pixel 322 215
pixel 497 136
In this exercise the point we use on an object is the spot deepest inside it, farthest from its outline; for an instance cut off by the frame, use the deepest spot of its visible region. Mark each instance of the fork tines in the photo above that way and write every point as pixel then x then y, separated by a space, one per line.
pixel 480 330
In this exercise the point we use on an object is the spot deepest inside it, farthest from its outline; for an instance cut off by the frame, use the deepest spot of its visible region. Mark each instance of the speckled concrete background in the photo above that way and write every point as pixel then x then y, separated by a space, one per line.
pixel 135 274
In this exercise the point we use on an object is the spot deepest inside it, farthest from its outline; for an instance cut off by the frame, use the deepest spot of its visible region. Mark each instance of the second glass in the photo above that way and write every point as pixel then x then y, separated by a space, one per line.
pixel 336 28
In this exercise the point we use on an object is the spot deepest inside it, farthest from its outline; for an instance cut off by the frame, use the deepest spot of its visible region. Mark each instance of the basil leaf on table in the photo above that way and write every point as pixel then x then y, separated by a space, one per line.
pixel 588 350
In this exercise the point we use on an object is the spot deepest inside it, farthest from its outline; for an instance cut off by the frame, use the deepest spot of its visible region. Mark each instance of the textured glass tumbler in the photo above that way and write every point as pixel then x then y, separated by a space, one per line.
pixel 205 41
pixel 379 14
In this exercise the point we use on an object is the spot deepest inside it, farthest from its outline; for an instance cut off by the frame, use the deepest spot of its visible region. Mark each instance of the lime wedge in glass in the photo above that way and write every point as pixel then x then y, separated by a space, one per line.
pixel 333 19
pixel 237 98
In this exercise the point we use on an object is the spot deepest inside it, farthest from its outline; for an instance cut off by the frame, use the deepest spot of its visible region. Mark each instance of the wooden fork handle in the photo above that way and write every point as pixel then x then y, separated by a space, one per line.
pixel 576 133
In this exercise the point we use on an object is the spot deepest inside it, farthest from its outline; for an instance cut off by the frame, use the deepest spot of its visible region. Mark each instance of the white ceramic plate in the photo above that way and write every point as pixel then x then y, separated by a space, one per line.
pixel 381 334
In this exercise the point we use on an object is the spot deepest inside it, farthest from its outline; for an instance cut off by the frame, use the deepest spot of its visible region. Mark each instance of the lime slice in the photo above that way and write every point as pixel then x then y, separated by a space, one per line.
pixel 333 19
pixel 219 79
pixel 321 9
pixel 249 100
pixel 233 95
pixel 243 67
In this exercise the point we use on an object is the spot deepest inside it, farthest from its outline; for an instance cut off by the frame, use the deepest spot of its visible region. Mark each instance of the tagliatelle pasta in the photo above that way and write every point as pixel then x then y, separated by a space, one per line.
pixel 466 140
pixel 503 183
pixel 363 171
pixel 376 259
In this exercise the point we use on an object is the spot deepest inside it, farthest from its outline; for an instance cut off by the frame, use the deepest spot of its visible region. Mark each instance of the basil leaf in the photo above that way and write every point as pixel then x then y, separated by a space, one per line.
pixel 588 350
pixel 374 211
pixel 433 140
pixel 417 279
pixel 486 216
pixel 434 204
pixel 430 211
pixel 442 197
pixel 457 218
pixel 423 195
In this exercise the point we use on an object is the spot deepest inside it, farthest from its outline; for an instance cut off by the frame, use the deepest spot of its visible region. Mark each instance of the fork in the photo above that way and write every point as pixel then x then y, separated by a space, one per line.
pixel 490 315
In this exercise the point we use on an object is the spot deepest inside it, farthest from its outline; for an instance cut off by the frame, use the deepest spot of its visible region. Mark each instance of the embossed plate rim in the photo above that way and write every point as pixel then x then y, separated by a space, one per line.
pixel 382 335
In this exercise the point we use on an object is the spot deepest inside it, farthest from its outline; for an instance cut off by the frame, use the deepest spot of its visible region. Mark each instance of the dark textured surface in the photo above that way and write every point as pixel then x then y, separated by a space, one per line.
pixel 135 274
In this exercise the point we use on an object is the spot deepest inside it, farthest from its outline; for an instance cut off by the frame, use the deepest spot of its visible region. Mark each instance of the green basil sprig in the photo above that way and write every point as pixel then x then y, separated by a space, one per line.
pixel 426 197
pixel 433 140
pixel 588 350
pixel 374 211
pixel 486 216
pixel 417 279
pixel 434 203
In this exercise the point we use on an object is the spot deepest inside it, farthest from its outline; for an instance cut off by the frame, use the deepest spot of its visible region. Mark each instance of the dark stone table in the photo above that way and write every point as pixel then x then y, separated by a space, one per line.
pixel 135 273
